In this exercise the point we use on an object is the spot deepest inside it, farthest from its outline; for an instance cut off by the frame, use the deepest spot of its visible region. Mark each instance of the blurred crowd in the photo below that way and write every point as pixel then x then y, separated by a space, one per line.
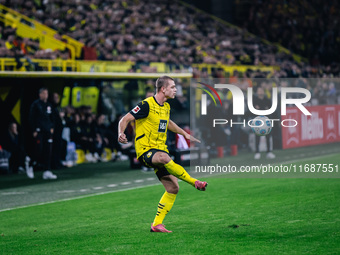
pixel 168 32
pixel 57 134
pixel 308 28
pixel 324 89
pixel 93 133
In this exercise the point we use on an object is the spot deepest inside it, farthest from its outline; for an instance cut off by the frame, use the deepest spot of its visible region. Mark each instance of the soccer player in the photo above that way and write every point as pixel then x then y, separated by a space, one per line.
pixel 152 117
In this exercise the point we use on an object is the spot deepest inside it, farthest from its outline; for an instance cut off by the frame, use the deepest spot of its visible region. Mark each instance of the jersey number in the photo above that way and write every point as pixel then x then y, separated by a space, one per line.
pixel 162 126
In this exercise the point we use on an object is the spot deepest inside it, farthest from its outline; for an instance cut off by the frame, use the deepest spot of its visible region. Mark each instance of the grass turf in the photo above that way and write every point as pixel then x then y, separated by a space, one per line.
pixel 235 216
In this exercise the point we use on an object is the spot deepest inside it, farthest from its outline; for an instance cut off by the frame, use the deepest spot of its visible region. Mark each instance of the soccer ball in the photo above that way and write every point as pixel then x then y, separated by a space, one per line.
pixel 261 125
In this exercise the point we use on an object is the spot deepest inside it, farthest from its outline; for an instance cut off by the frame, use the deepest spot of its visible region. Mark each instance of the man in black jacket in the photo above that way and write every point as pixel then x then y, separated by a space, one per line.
pixel 42 124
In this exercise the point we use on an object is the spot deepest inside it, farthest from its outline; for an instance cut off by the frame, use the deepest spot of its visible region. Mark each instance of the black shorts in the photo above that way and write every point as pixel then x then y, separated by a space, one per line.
pixel 146 160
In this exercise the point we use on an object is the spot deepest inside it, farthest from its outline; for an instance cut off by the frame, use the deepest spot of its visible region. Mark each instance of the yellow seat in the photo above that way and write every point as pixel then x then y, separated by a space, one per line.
pixel 107 154
pixel 80 156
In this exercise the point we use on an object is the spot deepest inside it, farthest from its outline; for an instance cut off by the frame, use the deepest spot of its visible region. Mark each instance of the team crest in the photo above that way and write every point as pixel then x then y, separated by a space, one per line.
pixel 136 109
pixel 149 154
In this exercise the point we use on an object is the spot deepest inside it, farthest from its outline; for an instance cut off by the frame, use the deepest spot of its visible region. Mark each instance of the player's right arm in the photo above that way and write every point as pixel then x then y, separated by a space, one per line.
pixel 140 111
pixel 122 126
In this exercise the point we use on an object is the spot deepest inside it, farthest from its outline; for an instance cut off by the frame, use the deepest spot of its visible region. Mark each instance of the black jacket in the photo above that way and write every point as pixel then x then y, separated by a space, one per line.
pixel 9 142
pixel 41 117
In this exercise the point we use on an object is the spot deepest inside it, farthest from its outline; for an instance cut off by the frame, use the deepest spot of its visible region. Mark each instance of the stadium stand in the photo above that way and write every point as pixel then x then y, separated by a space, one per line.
pixel 308 28
pixel 146 31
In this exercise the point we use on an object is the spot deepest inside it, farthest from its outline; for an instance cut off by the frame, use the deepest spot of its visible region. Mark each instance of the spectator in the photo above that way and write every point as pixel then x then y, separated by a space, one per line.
pixel 89 51
pixel 331 94
pixel 83 135
pixel 59 145
pixel 42 124
pixel 12 142
pixel 261 102
pixel 95 143
pixel 4 158
pixel 105 134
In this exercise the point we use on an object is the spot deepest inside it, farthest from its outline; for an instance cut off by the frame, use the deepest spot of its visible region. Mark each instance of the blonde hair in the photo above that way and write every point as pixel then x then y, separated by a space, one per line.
pixel 162 81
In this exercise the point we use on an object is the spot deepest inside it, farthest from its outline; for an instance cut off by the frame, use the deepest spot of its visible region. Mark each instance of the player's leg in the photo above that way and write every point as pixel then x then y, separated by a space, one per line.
pixel 170 184
pixel 161 159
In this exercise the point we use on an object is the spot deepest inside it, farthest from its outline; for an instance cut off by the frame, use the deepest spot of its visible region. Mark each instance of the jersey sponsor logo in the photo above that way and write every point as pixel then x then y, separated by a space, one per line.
pixel 162 126
pixel 136 109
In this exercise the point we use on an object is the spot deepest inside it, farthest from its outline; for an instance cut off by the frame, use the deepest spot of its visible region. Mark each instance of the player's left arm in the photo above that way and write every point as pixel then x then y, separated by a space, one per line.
pixel 176 129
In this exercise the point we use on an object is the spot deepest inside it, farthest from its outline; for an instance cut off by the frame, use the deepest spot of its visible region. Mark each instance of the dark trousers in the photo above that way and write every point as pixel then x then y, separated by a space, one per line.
pixel 17 158
pixel 58 150
pixel 43 149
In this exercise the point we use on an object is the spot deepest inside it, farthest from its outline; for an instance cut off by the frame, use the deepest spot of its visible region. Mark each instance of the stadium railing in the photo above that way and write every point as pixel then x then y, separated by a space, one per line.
pixel 230 69
pixel 9 64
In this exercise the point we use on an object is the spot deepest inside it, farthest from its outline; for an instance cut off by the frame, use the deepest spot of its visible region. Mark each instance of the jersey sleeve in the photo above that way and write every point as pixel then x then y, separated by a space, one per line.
pixel 141 110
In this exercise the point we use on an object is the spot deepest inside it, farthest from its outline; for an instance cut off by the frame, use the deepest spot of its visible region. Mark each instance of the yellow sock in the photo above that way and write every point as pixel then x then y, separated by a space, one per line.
pixel 178 171
pixel 164 206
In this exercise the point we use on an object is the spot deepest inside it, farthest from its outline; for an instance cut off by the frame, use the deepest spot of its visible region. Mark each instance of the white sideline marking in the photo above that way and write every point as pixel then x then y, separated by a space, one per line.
pixel 84 190
pixel 13 193
pixel 304 159
pixel 97 188
pixel 80 197
pixel 150 179
pixel 112 185
pixel 138 181
pixel 293 221
pixel 66 191
pixel 125 183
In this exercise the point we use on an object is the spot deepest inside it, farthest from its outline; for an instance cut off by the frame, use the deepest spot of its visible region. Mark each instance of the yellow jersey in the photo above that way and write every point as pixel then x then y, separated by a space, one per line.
pixel 152 121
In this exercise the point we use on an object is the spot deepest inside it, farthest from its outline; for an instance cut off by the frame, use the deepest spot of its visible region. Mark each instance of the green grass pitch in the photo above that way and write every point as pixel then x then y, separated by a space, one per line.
pixel 234 216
